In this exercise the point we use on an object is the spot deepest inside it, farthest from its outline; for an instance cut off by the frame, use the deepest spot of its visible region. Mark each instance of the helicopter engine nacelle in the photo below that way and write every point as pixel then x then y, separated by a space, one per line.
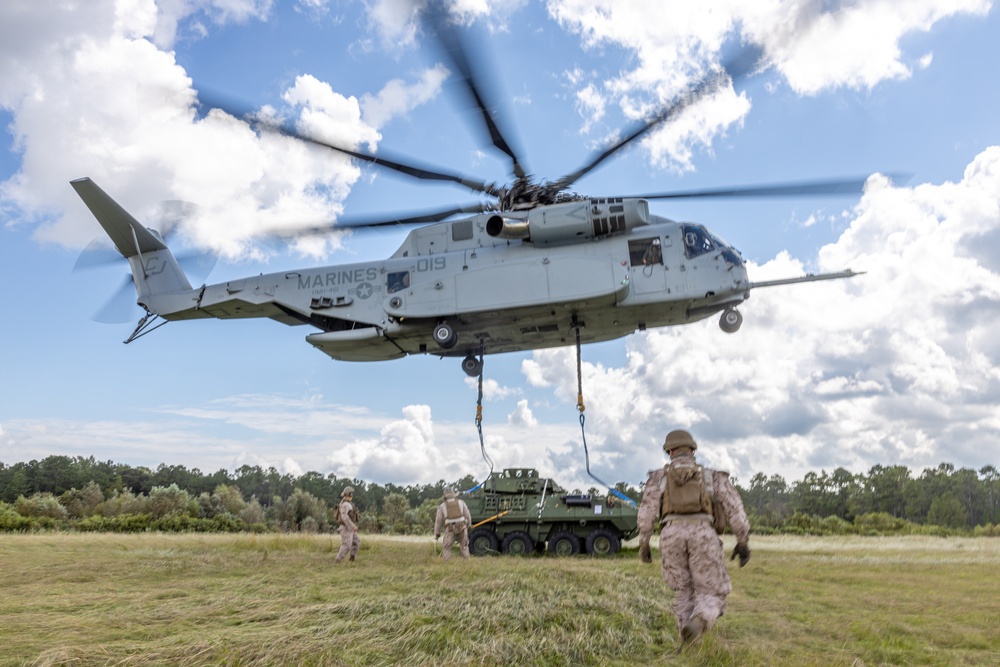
pixel 570 222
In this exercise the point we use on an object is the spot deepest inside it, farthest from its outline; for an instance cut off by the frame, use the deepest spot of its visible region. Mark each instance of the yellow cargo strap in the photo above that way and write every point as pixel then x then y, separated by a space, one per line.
pixel 492 518
pixel 479 413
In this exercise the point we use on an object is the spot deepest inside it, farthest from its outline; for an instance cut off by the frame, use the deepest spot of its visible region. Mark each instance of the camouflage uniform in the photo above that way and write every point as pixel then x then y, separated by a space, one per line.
pixel 350 542
pixel 453 514
pixel 693 562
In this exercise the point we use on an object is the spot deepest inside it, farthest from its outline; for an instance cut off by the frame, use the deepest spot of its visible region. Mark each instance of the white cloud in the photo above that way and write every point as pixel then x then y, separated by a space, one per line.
pixel 398 98
pixel 816 46
pixel 522 415
pixel 91 96
pixel 170 14
pixel 854 45
pixel 492 390
pixel 900 365
pixel 290 467
pixel 895 366
pixel 394 20
pixel 404 451
pixel 590 104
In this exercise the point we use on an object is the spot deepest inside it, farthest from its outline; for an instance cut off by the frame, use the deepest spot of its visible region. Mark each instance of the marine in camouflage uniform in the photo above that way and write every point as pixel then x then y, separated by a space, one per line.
pixel 350 542
pixel 453 515
pixel 691 553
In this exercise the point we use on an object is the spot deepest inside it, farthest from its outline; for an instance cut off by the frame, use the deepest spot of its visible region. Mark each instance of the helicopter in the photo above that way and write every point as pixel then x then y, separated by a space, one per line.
pixel 533 268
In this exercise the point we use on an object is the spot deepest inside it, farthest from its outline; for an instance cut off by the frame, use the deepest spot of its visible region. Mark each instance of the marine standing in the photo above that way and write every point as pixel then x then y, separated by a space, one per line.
pixel 691 502
pixel 454 516
pixel 350 542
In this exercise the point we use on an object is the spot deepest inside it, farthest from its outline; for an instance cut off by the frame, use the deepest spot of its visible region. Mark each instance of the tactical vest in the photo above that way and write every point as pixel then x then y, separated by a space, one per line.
pixel 351 513
pixel 453 511
pixel 686 489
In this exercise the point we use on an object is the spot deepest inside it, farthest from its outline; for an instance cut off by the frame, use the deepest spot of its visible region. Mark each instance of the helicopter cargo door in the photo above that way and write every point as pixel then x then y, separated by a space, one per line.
pixel 575 279
pixel 549 281
pixel 646 260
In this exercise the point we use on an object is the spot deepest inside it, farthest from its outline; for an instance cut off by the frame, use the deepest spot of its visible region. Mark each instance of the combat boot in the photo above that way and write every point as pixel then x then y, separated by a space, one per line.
pixel 351 559
pixel 692 629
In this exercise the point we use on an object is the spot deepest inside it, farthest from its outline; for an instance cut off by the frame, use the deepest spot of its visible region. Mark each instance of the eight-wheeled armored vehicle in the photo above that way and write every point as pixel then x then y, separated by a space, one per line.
pixel 517 512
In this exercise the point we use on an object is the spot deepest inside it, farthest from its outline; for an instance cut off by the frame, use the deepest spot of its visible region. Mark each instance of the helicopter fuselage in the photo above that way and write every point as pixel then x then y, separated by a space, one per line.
pixel 494 283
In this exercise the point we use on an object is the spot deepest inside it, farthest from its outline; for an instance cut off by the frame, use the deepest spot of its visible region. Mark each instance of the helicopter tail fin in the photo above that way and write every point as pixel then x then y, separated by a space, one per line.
pixel 154 268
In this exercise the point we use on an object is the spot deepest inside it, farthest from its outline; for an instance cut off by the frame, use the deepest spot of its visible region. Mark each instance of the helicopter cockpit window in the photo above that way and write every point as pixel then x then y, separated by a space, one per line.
pixel 645 252
pixel 730 254
pixel 397 281
pixel 697 240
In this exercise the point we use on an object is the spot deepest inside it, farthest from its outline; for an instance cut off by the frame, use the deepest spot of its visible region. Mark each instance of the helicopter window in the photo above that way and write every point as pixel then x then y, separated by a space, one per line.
pixel 396 281
pixel 461 230
pixel 729 253
pixel 697 240
pixel 644 252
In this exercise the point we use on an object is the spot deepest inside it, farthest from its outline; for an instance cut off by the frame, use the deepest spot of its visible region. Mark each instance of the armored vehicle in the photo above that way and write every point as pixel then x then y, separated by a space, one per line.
pixel 517 512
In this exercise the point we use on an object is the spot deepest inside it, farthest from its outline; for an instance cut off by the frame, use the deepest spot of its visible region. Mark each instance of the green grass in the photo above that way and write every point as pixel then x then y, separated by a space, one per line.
pixel 156 599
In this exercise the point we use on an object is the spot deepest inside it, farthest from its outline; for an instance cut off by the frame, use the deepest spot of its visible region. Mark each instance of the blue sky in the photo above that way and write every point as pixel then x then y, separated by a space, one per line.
pixel 899 366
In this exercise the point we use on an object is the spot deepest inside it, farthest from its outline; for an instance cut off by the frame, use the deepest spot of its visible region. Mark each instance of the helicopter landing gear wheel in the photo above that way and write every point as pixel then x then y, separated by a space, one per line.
pixel 731 320
pixel 445 336
pixel 472 366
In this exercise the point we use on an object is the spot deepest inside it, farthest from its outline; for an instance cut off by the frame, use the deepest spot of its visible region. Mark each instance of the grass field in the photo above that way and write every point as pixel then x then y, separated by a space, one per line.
pixel 154 599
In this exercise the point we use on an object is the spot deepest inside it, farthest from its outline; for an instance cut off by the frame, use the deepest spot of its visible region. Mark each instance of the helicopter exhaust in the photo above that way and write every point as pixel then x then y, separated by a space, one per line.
pixel 570 222
pixel 505 228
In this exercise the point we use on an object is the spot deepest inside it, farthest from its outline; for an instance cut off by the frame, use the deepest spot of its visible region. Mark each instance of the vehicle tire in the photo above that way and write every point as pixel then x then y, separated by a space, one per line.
pixel 564 543
pixel 445 336
pixel 602 542
pixel 517 543
pixel 483 541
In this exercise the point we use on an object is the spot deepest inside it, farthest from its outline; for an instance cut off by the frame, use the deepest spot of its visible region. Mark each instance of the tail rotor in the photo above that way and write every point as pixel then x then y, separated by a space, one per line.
pixel 168 222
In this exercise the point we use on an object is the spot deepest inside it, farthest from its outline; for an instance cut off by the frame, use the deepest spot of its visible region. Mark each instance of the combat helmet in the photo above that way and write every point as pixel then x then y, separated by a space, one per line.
pixel 677 439
pixel 449 493
pixel 348 491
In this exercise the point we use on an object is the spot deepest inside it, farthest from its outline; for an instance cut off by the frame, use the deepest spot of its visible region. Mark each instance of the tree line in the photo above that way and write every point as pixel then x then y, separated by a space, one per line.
pixel 83 493
pixel 943 496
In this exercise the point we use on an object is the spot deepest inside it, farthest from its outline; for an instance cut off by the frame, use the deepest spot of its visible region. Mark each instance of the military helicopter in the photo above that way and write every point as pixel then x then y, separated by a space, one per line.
pixel 534 268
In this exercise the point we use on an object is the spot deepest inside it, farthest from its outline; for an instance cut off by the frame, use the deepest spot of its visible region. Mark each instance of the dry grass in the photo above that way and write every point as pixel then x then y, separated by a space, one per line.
pixel 278 600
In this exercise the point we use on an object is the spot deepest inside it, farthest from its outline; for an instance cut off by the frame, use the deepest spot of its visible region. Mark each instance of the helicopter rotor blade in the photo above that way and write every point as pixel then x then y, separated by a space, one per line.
pixel 169 219
pixel 364 223
pixel 401 165
pixel 733 70
pixel 836 186
pixel 99 253
pixel 454 48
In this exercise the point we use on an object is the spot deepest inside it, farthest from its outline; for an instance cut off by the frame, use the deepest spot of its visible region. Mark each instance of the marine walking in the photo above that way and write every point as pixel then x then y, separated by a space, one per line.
pixel 347 514
pixel 454 518
pixel 693 505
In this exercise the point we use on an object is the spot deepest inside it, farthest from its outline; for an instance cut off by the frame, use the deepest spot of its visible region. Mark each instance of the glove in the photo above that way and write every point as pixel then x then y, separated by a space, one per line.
pixel 437 537
pixel 742 549
pixel 644 555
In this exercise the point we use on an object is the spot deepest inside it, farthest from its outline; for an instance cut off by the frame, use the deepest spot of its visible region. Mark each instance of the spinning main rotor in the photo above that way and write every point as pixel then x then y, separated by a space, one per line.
pixel 523 192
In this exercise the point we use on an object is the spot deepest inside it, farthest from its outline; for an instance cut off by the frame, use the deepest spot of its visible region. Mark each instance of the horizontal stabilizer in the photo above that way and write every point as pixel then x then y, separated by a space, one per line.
pixel 129 237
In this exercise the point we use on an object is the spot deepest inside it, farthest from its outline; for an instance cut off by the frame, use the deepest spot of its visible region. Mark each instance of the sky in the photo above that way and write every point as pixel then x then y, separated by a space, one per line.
pixel 898 366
